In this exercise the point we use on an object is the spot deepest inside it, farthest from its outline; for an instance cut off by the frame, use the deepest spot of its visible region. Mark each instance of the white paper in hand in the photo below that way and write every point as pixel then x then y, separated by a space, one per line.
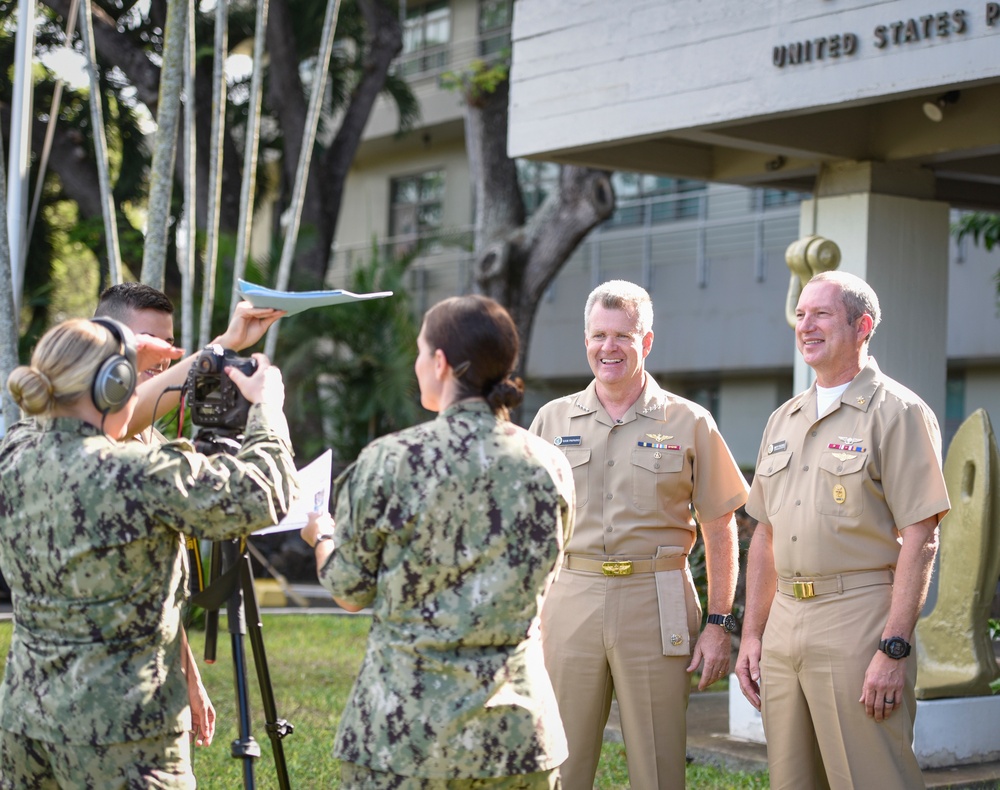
pixel 293 302
pixel 314 481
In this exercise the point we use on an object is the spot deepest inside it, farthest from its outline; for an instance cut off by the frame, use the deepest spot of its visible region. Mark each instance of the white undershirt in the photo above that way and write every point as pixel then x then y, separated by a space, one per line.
pixel 827 396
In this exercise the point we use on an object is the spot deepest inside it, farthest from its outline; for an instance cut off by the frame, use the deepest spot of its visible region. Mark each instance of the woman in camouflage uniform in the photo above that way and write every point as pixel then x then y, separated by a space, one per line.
pixel 451 531
pixel 92 695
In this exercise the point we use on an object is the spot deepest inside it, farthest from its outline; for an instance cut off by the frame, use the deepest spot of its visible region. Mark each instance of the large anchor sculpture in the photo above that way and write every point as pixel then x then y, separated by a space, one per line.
pixel 807 257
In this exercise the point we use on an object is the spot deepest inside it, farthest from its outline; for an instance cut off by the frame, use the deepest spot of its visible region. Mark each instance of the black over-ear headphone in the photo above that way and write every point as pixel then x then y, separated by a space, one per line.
pixel 116 377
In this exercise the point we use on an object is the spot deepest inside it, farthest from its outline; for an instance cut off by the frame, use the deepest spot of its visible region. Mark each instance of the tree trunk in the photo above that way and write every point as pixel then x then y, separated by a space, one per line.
pixel 154 259
pixel 516 260
pixel 328 172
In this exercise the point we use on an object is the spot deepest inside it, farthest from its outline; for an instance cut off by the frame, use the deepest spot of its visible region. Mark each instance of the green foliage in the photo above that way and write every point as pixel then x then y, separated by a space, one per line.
pixel 141 27
pixel 479 80
pixel 358 359
pixel 984 228
pixel 981 226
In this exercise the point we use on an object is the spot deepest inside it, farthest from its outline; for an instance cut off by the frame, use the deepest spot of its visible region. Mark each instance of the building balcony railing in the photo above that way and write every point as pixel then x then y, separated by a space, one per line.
pixel 691 226
pixel 432 61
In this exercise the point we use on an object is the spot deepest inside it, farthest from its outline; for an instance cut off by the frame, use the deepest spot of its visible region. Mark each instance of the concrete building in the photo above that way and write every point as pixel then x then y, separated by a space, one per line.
pixel 733 129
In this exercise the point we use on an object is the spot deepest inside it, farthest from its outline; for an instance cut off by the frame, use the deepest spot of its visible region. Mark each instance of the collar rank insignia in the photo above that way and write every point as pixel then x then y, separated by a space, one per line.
pixel 861 400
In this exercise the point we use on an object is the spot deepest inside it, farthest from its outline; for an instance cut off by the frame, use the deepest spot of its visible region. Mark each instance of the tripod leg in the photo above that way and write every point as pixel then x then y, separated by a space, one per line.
pixel 276 728
pixel 212 614
pixel 244 747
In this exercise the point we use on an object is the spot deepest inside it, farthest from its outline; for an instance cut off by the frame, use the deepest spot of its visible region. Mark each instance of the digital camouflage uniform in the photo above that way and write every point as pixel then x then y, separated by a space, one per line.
pixel 452 531
pixel 90 548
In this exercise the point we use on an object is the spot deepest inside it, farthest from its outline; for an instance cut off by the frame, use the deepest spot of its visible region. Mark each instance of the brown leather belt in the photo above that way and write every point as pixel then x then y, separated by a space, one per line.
pixel 613 567
pixel 802 587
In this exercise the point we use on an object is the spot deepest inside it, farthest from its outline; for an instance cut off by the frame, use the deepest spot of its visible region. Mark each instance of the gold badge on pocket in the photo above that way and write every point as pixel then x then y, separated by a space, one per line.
pixel 839 494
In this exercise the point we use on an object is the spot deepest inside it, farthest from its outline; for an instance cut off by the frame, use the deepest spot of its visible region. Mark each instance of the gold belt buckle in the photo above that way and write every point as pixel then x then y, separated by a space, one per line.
pixel 622 568
pixel 803 590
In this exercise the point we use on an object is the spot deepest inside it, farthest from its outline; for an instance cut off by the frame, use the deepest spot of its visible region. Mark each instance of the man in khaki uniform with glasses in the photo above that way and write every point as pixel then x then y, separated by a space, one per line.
pixel 623 615
pixel 848 493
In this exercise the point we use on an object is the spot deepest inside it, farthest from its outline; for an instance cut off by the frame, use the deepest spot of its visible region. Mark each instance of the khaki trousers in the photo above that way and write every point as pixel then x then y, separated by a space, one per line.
pixel 602 635
pixel 814 656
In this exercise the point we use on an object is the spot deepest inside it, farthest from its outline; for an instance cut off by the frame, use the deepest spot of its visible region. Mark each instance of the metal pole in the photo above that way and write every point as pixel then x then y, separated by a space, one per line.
pixel 215 169
pixel 100 144
pixel 187 238
pixel 20 143
pixel 305 158
pixel 250 153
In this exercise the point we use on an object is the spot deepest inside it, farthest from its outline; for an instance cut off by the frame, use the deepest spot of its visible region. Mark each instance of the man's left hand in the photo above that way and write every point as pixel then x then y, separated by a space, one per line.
pixel 713 648
pixel 882 692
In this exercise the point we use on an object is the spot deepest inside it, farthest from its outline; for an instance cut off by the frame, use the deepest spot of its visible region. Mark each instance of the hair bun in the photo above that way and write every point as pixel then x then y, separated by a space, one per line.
pixel 31 389
pixel 506 394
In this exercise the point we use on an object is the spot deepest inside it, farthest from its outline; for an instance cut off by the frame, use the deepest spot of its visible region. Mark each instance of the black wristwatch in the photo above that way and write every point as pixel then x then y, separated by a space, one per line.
pixel 895 647
pixel 727 621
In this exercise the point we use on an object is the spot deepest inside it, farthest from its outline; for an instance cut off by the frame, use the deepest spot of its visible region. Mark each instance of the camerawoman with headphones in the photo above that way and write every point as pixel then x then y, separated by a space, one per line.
pixel 92 693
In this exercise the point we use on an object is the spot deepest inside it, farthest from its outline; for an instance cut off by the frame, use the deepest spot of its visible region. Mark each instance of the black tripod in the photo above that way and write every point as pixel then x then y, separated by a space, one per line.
pixel 231 582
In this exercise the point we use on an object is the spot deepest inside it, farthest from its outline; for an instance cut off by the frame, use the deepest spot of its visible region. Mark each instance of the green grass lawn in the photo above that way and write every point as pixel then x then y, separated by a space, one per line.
pixel 312 660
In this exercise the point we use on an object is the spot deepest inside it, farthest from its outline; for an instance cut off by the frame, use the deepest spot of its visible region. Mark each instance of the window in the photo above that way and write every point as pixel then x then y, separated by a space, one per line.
pixel 415 213
pixel 706 394
pixel 537 180
pixel 426 35
pixel 495 17
pixel 772 198
pixel 642 197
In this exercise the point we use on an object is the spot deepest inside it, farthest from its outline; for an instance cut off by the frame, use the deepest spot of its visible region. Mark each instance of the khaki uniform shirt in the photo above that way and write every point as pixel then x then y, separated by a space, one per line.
pixel 452 531
pixel 664 465
pixel 835 490
pixel 89 543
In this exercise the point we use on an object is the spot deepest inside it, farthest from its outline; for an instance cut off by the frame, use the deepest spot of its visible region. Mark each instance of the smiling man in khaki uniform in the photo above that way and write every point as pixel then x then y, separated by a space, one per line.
pixel 623 616
pixel 848 492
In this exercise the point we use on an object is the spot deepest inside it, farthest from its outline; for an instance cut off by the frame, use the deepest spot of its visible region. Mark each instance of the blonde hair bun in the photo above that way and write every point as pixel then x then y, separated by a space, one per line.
pixel 32 390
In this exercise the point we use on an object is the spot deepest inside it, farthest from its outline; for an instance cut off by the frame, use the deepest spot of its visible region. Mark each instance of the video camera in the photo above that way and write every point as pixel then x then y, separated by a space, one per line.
pixel 213 399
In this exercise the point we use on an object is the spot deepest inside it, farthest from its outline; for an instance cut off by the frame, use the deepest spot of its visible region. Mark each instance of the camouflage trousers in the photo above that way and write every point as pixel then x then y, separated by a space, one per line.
pixel 360 777
pixel 160 763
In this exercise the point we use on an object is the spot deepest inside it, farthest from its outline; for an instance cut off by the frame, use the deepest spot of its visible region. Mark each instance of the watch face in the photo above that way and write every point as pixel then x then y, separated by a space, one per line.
pixel 896 648
pixel 727 621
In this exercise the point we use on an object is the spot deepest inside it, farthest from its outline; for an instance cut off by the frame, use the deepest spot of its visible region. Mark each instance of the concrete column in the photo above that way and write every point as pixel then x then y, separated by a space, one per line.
pixel 891 234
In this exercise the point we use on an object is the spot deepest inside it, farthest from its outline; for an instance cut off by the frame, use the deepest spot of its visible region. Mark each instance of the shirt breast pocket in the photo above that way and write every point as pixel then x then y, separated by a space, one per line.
pixel 651 481
pixel 773 474
pixel 579 461
pixel 841 486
